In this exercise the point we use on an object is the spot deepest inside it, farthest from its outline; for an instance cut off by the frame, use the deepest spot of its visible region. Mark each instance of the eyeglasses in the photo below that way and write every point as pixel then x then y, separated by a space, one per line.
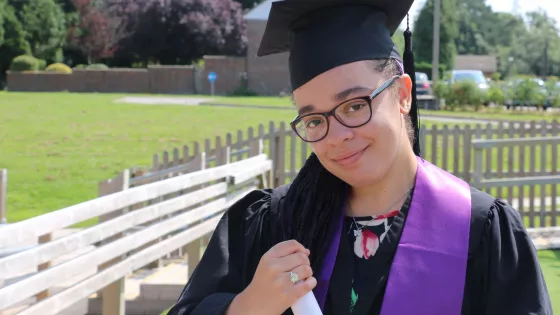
pixel 353 113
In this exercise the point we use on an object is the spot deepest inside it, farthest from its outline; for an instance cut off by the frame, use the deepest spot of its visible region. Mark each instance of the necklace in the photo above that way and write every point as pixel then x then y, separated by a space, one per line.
pixel 358 230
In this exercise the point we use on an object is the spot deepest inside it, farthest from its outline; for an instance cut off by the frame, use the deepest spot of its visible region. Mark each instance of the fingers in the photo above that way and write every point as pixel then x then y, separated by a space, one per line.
pixel 286 248
pixel 301 288
pixel 303 272
pixel 292 261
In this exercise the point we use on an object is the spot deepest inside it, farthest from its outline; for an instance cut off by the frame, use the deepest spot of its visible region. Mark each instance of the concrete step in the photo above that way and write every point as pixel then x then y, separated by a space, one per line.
pixel 150 291
pixel 165 284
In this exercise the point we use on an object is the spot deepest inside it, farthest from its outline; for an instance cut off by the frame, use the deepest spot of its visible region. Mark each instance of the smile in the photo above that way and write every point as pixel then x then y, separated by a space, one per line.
pixel 351 158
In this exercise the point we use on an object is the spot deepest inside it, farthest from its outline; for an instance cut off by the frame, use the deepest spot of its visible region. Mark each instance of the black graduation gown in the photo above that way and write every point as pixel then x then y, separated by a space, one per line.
pixel 503 272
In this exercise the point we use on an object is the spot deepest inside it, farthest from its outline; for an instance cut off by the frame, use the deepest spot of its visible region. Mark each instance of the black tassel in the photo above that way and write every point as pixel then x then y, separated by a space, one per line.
pixel 408 60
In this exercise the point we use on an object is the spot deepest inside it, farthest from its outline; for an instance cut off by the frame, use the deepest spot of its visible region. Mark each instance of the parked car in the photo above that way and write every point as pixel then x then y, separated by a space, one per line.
pixel 423 84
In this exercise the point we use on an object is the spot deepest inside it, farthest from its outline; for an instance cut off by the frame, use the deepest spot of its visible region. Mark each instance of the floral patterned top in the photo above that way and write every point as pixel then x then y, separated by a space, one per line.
pixel 366 234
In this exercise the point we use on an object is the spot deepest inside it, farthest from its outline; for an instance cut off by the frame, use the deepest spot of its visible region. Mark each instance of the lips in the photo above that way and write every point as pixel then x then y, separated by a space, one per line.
pixel 350 158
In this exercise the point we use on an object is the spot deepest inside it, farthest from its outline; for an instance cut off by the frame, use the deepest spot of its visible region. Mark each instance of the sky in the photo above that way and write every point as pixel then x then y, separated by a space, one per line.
pixel 552 7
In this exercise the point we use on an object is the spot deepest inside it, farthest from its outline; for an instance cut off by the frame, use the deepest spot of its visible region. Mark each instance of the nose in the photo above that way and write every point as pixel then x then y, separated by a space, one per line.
pixel 338 133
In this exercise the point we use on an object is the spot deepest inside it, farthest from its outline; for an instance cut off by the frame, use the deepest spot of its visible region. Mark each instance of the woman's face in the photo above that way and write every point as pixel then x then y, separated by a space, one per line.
pixel 359 156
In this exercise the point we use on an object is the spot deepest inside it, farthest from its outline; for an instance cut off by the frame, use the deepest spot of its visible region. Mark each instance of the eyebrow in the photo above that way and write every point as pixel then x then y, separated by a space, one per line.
pixel 342 96
pixel 339 97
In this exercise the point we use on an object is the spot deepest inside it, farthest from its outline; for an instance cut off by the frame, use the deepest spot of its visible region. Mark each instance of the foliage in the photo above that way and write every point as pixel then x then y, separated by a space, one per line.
pixel 59 68
pixel 423 33
pixel 427 68
pixel 97 66
pixel 180 31
pixel 475 22
pixel 24 63
pixel 45 27
pixel 249 4
pixel 42 64
pixel 466 93
pixel 496 94
pixel 12 38
pixel 98 31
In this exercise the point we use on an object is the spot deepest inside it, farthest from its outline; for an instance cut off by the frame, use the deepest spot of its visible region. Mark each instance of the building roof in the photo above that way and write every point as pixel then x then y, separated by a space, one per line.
pixel 485 63
pixel 260 12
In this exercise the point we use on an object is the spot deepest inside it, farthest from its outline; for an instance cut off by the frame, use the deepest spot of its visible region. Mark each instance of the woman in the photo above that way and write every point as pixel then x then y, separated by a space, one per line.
pixel 367 225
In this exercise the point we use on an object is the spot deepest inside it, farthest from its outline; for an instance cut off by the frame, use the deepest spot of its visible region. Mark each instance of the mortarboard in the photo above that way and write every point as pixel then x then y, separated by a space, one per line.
pixel 323 34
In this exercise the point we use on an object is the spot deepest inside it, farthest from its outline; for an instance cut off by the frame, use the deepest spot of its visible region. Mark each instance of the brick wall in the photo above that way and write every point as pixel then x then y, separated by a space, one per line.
pixel 268 75
pixel 153 80
pixel 228 71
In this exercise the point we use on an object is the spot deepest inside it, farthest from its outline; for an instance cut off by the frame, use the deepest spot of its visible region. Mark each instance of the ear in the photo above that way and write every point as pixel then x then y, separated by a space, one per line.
pixel 405 94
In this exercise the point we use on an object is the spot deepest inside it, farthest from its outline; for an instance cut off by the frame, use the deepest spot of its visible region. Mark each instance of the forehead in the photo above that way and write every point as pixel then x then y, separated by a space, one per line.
pixel 323 91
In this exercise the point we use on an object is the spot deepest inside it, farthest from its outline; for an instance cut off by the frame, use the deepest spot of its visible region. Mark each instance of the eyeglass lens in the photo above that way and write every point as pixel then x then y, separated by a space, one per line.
pixel 351 114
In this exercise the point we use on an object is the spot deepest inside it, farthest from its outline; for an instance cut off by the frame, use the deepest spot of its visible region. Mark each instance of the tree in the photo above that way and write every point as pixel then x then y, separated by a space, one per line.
pixel 541 44
pixel 475 21
pixel 181 31
pixel 423 33
pixel 12 38
pixel 45 27
pixel 249 4
pixel 97 32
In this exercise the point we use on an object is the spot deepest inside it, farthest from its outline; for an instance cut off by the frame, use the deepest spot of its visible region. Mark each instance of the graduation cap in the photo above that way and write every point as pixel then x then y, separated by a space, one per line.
pixel 324 34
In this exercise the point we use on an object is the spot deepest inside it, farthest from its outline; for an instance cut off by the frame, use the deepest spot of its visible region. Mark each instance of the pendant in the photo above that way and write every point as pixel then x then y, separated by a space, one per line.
pixel 357 232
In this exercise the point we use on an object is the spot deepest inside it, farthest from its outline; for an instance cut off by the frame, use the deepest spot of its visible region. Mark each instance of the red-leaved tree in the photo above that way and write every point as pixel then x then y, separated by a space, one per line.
pixel 97 32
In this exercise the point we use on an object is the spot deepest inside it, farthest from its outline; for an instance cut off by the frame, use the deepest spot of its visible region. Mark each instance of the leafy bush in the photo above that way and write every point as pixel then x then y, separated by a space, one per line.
pixel 59 68
pixel 24 63
pixel 42 64
pixel 552 91
pixel 495 94
pixel 80 66
pixel 466 93
pixel 97 66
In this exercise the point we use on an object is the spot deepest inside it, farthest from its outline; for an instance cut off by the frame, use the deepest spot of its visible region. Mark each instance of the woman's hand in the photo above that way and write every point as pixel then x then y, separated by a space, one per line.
pixel 271 291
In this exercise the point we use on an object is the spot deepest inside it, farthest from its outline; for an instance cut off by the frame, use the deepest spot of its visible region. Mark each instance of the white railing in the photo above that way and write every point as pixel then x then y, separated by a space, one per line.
pixel 137 226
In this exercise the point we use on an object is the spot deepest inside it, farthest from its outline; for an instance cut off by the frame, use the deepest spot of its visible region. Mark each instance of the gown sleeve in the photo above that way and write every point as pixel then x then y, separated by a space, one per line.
pixel 221 273
pixel 506 266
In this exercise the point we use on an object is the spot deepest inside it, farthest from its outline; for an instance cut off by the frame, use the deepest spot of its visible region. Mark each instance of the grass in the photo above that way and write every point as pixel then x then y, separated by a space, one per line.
pixel 58 146
pixel 550 264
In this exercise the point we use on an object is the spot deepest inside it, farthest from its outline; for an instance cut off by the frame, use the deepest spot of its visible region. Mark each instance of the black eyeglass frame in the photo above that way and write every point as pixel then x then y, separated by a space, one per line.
pixel 368 99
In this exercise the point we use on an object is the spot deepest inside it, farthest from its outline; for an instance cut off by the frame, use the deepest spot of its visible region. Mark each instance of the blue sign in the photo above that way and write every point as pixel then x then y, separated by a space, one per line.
pixel 212 76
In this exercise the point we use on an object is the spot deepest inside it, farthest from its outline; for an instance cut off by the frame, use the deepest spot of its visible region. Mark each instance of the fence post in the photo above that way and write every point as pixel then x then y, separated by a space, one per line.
pixel 112 296
pixel 194 248
pixel 477 174
pixel 3 196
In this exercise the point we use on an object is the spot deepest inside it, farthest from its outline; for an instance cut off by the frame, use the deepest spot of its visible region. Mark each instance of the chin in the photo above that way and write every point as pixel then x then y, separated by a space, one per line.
pixel 361 176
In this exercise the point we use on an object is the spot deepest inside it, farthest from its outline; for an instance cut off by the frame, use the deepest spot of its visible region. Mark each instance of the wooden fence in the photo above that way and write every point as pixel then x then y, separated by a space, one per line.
pixel 449 147
pixel 138 225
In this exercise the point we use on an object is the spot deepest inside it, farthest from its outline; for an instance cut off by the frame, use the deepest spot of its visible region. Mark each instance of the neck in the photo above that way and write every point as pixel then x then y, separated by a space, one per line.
pixel 387 194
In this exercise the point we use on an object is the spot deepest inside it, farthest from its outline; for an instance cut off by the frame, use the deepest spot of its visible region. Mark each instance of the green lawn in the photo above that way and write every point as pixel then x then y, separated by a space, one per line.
pixel 58 146
pixel 550 263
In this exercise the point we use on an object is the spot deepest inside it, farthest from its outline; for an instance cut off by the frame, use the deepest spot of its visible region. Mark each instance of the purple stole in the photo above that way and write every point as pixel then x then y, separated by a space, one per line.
pixel 427 276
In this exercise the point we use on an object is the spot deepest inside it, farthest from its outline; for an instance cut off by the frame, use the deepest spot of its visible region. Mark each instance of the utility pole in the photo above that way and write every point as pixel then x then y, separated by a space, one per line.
pixel 435 49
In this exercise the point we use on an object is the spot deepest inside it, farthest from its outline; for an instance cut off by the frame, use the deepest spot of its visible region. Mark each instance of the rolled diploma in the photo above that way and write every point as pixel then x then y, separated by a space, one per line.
pixel 307 305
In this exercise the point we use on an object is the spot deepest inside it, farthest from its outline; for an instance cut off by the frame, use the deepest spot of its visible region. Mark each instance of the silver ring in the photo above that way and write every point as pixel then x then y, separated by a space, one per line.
pixel 294 277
